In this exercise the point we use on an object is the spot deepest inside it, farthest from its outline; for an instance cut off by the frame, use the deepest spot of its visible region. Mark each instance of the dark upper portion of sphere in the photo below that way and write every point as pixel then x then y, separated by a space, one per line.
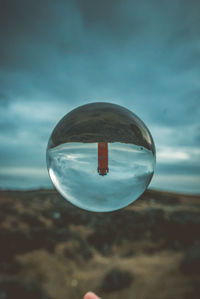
pixel 101 122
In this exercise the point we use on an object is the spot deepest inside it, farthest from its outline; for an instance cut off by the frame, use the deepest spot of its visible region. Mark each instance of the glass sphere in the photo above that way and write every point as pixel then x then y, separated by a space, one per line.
pixel 101 157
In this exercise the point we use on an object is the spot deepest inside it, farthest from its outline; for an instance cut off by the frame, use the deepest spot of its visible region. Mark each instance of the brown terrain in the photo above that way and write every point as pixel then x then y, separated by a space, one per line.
pixel 101 122
pixel 51 249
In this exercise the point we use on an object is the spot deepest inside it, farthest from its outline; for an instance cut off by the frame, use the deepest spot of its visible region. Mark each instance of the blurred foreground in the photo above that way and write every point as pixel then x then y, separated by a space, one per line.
pixel 50 249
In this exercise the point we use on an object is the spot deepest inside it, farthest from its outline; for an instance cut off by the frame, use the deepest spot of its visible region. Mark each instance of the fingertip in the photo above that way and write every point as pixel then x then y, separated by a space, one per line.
pixel 90 295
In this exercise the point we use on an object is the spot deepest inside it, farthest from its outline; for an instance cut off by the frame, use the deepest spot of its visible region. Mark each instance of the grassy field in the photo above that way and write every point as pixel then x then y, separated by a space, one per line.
pixel 50 249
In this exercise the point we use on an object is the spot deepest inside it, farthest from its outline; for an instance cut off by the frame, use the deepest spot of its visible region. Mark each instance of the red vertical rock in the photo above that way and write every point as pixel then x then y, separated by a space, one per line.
pixel 103 158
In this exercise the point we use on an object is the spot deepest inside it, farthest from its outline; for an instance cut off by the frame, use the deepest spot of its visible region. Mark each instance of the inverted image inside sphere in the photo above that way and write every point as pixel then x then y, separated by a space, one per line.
pixel 101 157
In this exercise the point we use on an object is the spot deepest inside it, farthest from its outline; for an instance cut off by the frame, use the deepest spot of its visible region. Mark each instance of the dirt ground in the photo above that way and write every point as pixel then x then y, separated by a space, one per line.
pixel 51 249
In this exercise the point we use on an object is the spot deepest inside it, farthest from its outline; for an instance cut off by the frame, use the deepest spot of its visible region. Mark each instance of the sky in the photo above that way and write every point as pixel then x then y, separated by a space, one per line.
pixel 129 171
pixel 56 55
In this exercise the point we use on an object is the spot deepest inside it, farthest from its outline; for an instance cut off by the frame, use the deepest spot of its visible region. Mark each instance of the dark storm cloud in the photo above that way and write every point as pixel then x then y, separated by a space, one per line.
pixel 3 99
pixel 110 19
pixel 120 47
pixel 56 55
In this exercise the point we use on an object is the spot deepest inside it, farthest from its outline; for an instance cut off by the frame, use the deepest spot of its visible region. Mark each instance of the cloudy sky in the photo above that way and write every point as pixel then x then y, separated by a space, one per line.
pixel 130 170
pixel 58 54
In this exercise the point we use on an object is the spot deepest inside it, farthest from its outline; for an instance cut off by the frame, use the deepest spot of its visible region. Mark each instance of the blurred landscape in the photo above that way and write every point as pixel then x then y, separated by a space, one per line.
pixel 51 249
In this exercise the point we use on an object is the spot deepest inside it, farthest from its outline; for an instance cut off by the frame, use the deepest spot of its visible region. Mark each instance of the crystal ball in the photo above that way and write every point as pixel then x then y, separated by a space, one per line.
pixel 101 157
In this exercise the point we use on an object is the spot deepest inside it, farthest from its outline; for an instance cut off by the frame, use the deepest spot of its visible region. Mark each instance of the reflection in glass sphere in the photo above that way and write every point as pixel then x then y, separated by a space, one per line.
pixel 101 157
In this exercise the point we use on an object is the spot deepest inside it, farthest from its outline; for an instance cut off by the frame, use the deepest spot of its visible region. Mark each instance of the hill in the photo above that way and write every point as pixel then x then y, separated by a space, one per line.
pixel 51 249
